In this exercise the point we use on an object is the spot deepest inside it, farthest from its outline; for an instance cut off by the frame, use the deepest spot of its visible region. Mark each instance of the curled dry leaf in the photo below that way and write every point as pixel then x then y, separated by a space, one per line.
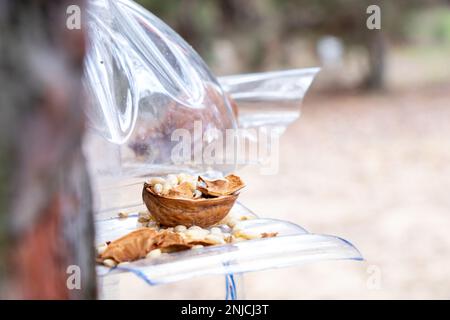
pixel 137 244
pixel 169 241
pixel 183 190
pixel 221 187
pixel 133 246
pixel 202 242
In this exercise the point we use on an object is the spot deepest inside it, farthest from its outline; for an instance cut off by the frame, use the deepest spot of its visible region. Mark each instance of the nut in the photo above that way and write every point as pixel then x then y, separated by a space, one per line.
pixel 166 188
pixel 109 263
pixel 157 180
pixel 182 177
pixel 232 222
pixel 216 230
pixel 197 194
pixel 154 253
pixel 158 188
pixel 180 228
pixel 101 248
pixel 196 234
pixel 184 203
pixel 172 179
pixel 214 238
pixel 193 185
pixel 122 215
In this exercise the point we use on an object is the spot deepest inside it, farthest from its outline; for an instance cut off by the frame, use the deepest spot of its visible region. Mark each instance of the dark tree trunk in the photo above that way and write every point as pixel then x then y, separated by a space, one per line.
pixel 376 48
pixel 45 197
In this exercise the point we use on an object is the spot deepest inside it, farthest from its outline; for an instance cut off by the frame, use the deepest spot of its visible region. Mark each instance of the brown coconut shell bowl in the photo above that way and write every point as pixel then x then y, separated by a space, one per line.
pixel 202 212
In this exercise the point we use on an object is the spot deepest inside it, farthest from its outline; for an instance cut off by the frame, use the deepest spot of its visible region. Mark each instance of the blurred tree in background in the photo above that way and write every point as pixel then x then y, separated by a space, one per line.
pixel 45 198
pixel 262 27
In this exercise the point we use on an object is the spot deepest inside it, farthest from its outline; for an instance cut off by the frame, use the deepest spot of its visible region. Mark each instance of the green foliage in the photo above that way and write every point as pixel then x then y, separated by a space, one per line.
pixel 430 26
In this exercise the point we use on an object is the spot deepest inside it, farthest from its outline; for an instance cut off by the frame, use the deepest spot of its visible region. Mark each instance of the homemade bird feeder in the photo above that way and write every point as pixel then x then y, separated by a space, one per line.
pixel 154 109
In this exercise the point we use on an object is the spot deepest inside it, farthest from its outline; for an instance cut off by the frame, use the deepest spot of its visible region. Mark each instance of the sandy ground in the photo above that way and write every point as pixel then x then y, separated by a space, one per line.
pixel 373 169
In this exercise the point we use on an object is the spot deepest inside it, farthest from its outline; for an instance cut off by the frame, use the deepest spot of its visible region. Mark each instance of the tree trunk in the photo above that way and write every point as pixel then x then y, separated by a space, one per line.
pixel 46 230
pixel 377 55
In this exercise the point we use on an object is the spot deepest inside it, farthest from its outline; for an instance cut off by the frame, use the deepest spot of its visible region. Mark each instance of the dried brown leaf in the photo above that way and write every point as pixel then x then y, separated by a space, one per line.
pixel 220 187
pixel 133 246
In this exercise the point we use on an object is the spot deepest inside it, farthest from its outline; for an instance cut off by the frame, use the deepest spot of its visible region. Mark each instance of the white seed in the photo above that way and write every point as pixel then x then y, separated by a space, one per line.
pixel 183 235
pixel 101 248
pixel 123 263
pixel 123 215
pixel 192 184
pixel 196 234
pixel 216 230
pixel 182 177
pixel 197 246
pixel 172 179
pixel 166 188
pixel 231 222
pixel 145 214
pixel 236 228
pixel 197 194
pixel 157 180
pixel 214 238
pixel 154 253
pixel 170 229
pixel 195 228
pixel 109 263
pixel 180 228
pixel 237 239
pixel 158 188
pixel 248 236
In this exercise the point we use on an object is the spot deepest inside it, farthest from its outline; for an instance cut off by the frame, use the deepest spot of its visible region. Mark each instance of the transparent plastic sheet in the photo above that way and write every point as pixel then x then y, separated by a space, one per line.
pixel 269 99
pixel 145 82
pixel 292 246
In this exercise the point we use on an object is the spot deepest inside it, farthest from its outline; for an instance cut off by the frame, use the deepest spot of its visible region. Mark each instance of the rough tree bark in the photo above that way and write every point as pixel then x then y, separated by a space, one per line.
pixel 45 204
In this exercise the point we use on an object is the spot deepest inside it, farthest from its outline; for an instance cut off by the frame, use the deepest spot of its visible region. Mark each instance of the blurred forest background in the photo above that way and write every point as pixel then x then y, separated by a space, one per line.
pixel 369 160
pixel 243 36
